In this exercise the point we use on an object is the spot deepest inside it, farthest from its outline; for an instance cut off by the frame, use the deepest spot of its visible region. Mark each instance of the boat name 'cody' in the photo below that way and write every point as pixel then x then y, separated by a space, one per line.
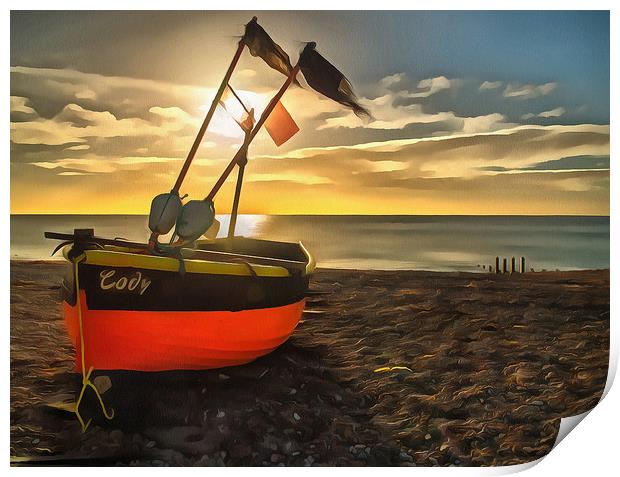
pixel 136 283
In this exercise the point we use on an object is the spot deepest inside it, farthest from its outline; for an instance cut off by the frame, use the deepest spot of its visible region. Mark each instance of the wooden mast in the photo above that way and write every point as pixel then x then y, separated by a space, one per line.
pixel 201 132
pixel 247 129
pixel 242 152
pixel 235 206
pixel 207 120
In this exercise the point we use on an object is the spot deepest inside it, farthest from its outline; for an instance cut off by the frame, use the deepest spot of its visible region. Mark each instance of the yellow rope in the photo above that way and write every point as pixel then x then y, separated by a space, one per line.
pixel 393 368
pixel 86 382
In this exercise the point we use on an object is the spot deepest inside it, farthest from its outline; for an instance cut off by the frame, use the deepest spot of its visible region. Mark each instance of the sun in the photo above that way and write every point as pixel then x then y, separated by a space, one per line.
pixel 225 119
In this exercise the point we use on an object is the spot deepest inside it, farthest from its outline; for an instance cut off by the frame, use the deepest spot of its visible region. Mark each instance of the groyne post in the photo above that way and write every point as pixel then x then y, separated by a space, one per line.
pixel 496 264
pixel 505 265
pixel 522 264
pixel 513 265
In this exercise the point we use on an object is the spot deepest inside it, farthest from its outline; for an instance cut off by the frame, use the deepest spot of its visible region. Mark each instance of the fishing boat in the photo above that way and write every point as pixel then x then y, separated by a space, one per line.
pixel 196 302
pixel 236 300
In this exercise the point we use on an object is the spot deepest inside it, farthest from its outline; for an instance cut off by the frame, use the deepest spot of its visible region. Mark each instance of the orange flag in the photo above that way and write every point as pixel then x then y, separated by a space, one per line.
pixel 280 125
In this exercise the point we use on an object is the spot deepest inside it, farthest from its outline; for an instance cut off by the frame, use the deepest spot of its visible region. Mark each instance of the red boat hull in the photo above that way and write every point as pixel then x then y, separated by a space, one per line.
pixel 168 340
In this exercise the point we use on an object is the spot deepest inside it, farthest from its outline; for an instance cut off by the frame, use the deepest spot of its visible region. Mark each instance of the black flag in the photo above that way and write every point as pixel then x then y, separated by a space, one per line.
pixel 260 44
pixel 322 76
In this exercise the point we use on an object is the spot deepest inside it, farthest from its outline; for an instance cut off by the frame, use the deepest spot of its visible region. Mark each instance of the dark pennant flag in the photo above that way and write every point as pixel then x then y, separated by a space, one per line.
pixel 322 76
pixel 260 44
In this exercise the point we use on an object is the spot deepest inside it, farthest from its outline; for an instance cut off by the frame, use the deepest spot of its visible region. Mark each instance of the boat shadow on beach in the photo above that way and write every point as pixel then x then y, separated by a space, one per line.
pixel 182 397
pixel 272 410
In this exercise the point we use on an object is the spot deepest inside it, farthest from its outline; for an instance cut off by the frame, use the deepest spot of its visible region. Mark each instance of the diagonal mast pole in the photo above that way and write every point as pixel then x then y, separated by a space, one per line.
pixel 207 120
pixel 243 150
pixel 235 207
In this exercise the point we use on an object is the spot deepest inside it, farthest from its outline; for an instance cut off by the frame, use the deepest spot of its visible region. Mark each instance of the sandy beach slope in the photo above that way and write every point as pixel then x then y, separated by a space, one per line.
pixel 488 365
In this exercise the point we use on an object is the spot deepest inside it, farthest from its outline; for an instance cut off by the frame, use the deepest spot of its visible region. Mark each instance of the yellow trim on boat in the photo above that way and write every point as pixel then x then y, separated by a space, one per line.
pixel 111 258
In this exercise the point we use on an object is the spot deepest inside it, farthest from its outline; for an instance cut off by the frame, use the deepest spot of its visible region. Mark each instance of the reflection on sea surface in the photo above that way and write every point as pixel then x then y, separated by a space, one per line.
pixel 375 242
pixel 247 225
pixel 445 242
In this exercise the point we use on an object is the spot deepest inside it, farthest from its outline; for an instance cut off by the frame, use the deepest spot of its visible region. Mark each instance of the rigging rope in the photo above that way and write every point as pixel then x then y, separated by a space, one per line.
pixel 86 382
pixel 248 123
pixel 238 98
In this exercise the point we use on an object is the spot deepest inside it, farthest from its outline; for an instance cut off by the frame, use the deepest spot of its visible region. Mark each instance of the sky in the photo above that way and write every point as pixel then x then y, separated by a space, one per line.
pixel 473 112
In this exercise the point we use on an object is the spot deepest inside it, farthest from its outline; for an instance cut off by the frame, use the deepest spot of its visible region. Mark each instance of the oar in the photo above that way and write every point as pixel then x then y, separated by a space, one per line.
pixel 235 257
pixel 70 238
pixel 190 253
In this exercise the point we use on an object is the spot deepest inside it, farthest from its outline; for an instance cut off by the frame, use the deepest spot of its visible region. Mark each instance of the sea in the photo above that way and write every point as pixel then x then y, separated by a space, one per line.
pixel 439 243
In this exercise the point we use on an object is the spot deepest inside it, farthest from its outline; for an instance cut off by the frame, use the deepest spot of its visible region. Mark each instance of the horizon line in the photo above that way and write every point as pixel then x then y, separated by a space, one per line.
pixel 335 215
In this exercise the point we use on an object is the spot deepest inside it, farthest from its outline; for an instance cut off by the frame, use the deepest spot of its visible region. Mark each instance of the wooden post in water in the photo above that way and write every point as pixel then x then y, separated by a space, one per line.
pixel 513 265
pixel 496 264
pixel 522 264
pixel 505 265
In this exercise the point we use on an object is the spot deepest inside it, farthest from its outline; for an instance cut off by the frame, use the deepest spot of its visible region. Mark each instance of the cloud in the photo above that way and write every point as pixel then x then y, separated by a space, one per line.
pixel 571 163
pixel 309 179
pixel 392 80
pixel 103 165
pixel 461 173
pixel 72 173
pixel 126 138
pixel 142 106
pixel 458 155
pixel 487 85
pixel 431 86
pixel 396 108
pixel 400 82
pixel 528 91
pixel 19 105
pixel 50 90
pixel 386 166
pixel 109 115
pixel 80 147
pixel 70 80
pixel 574 163
pixel 74 124
pixel 554 113
pixel 104 114
pixel 387 116
pixel 486 123
pixel 386 110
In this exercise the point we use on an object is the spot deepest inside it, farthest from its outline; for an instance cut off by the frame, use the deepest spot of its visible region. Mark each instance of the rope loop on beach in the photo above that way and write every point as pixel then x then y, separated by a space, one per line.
pixel 86 382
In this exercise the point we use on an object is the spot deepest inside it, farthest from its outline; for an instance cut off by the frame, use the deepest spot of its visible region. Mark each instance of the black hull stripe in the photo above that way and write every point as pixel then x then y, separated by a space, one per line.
pixel 123 288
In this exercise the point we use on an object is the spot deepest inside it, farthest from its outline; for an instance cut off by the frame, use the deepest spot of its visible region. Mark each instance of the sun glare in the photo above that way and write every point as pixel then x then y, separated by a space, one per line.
pixel 225 119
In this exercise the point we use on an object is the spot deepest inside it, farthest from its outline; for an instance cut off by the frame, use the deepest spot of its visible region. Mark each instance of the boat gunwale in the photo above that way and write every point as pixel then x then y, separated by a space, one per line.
pixel 125 257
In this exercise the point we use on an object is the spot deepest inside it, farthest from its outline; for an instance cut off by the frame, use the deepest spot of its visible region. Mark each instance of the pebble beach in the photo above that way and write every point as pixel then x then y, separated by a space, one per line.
pixel 395 368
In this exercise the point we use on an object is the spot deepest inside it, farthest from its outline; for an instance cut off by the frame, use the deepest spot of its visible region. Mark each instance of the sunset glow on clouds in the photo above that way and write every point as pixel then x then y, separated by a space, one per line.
pixel 438 144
